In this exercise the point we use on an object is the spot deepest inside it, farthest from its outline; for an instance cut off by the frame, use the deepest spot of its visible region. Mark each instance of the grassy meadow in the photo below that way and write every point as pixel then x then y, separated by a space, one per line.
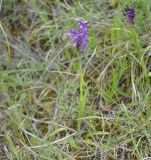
pixel 59 103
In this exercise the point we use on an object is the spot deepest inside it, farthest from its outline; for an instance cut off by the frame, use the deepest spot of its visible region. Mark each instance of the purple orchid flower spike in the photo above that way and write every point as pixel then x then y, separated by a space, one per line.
pixel 131 15
pixel 80 37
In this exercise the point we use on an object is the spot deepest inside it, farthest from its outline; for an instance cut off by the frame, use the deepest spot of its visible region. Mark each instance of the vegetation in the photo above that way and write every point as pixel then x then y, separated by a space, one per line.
pixel 58 103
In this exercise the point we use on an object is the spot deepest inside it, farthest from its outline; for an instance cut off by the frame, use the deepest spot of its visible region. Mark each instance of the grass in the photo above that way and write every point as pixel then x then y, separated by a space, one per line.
pixel 57 103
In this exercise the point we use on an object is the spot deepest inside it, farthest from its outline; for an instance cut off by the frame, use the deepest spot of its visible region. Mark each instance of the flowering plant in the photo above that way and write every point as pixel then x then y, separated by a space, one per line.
pixel 80 37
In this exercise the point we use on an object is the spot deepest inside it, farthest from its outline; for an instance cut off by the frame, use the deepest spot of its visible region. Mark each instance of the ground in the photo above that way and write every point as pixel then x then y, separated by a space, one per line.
pixel 59 103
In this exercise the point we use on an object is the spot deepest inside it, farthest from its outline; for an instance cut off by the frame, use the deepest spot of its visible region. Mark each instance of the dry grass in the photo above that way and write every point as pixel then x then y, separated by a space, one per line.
pixel 57 103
